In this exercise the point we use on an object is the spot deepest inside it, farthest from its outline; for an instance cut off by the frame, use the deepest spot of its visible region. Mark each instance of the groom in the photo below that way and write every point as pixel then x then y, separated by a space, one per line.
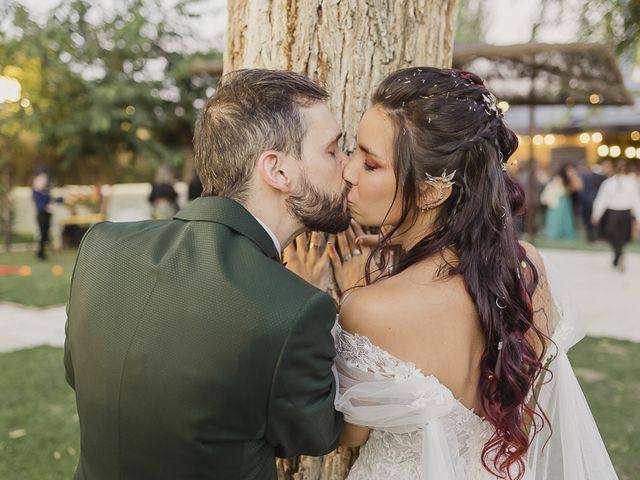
pixel 193 352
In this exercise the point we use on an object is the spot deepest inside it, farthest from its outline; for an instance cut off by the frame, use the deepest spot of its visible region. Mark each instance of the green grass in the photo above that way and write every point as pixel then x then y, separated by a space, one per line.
pixel 17 237
pixel 41 288
pixel 608 372
pixel 35 398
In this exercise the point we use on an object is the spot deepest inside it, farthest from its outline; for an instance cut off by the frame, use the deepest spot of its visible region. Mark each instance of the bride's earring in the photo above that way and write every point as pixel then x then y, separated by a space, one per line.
pixel 440 184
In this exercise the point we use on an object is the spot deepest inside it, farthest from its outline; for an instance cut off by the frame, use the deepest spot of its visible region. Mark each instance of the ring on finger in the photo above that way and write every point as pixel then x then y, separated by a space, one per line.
pixel 346 258
pixel 357 252
pixel 314 245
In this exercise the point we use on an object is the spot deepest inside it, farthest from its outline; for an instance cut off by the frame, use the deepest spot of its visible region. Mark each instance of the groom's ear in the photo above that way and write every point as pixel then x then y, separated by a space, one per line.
pixel 275 170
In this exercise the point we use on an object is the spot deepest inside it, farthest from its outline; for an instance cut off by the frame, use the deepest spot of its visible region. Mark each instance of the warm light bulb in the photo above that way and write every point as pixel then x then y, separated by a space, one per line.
pixel 615 151
pixel 630 152
pixel 503 105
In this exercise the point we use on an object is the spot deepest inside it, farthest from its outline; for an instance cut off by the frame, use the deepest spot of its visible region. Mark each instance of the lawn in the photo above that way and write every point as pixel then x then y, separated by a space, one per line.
pixel 41 288
pixel 608 372
pixel 38 420
pixel 39 427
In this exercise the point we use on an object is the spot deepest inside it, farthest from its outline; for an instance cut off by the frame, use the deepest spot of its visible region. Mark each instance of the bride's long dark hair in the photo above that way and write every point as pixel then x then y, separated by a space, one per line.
pixel 448 120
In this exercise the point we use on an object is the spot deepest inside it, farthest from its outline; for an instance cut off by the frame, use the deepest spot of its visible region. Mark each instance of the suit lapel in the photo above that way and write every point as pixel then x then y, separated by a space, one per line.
pixel 230 213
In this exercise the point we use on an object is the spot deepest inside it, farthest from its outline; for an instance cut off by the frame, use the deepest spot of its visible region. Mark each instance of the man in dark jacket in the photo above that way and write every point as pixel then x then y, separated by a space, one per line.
pixel 194 353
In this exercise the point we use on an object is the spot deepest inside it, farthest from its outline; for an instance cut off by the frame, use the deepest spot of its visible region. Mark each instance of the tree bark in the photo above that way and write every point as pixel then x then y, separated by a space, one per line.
pixel 348 46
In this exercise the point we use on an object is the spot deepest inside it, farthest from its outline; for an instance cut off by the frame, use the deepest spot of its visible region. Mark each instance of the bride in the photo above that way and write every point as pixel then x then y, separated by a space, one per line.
pixel 452 360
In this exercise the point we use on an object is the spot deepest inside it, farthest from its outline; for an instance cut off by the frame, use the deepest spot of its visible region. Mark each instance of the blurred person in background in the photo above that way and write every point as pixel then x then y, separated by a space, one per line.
pixel 616 210
pixel 557 197
pixel 592 178
pixel 41 194
pixel 522 175
pixel 163 196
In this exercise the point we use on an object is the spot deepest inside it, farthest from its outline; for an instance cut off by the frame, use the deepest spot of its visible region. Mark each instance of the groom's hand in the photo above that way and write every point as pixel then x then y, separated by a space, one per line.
pixel 309 259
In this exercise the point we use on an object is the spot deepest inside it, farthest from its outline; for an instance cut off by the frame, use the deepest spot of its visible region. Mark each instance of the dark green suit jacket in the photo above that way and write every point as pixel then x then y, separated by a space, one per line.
pixel 194 353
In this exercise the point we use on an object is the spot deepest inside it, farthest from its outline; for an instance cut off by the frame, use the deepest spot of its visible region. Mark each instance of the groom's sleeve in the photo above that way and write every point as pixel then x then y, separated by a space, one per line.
pixel 68 364
pixel 68 361
pixel 302 419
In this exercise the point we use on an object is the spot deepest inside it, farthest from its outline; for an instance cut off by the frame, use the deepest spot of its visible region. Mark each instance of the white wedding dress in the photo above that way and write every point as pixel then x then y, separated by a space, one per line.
pixel 419 431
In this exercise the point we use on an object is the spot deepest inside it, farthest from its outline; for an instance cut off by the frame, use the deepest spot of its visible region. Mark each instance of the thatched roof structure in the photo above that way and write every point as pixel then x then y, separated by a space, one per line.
pixel 561 74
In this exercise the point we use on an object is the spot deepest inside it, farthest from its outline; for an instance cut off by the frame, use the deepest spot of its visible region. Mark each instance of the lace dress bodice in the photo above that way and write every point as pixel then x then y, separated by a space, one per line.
pixel 396 447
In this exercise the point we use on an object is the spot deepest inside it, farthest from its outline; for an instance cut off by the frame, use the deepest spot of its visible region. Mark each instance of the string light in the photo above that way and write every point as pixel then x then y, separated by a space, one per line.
pixel 615 151
pixel 630 152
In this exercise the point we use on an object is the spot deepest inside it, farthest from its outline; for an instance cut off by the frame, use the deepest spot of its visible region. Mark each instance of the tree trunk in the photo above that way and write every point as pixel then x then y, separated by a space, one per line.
pixel 348 46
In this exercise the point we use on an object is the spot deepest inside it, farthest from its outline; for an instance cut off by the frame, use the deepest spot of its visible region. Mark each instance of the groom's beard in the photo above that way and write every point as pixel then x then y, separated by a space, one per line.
pixel 317 210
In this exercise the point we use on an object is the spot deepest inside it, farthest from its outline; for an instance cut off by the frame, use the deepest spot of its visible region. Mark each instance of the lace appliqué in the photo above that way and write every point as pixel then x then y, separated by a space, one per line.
pixel 360 353
pixel 387 455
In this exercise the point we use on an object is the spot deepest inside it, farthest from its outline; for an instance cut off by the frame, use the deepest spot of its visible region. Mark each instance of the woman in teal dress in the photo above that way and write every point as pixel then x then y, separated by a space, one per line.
pixel 560 221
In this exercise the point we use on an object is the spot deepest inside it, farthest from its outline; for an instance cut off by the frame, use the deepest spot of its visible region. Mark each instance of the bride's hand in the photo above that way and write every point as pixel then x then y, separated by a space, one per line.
pixel 372 239
pixel 309 259
pixel 349 264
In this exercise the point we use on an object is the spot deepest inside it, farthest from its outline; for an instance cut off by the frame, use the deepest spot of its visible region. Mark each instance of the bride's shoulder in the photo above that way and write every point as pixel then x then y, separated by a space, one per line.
pixel 365 310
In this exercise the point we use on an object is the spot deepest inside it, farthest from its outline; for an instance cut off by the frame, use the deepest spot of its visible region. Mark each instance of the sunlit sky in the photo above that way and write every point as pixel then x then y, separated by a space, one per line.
pixel 508 21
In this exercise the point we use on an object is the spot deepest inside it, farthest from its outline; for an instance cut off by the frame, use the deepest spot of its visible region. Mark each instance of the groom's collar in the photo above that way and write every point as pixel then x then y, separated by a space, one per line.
pixel 230 213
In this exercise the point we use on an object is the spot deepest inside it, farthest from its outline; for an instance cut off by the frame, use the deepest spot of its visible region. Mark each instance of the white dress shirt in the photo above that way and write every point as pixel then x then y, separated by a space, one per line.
pixel 619 192
pixel 276 242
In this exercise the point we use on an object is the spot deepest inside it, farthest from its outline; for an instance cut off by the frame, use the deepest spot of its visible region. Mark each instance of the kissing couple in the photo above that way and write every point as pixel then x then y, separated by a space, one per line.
pixel 195 353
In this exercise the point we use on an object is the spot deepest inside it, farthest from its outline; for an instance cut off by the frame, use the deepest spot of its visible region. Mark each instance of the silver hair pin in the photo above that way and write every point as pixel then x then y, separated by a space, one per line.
pixel 443 181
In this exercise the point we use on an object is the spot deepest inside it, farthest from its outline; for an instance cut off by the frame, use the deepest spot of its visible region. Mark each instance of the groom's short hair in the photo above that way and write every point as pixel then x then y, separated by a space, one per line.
pixel 252 111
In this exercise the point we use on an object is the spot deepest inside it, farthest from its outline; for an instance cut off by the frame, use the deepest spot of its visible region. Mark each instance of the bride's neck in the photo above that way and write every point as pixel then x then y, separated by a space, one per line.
pixel 409 234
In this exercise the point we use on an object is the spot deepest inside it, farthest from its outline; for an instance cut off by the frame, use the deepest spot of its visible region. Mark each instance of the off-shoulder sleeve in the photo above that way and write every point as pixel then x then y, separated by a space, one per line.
pixel 378 391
